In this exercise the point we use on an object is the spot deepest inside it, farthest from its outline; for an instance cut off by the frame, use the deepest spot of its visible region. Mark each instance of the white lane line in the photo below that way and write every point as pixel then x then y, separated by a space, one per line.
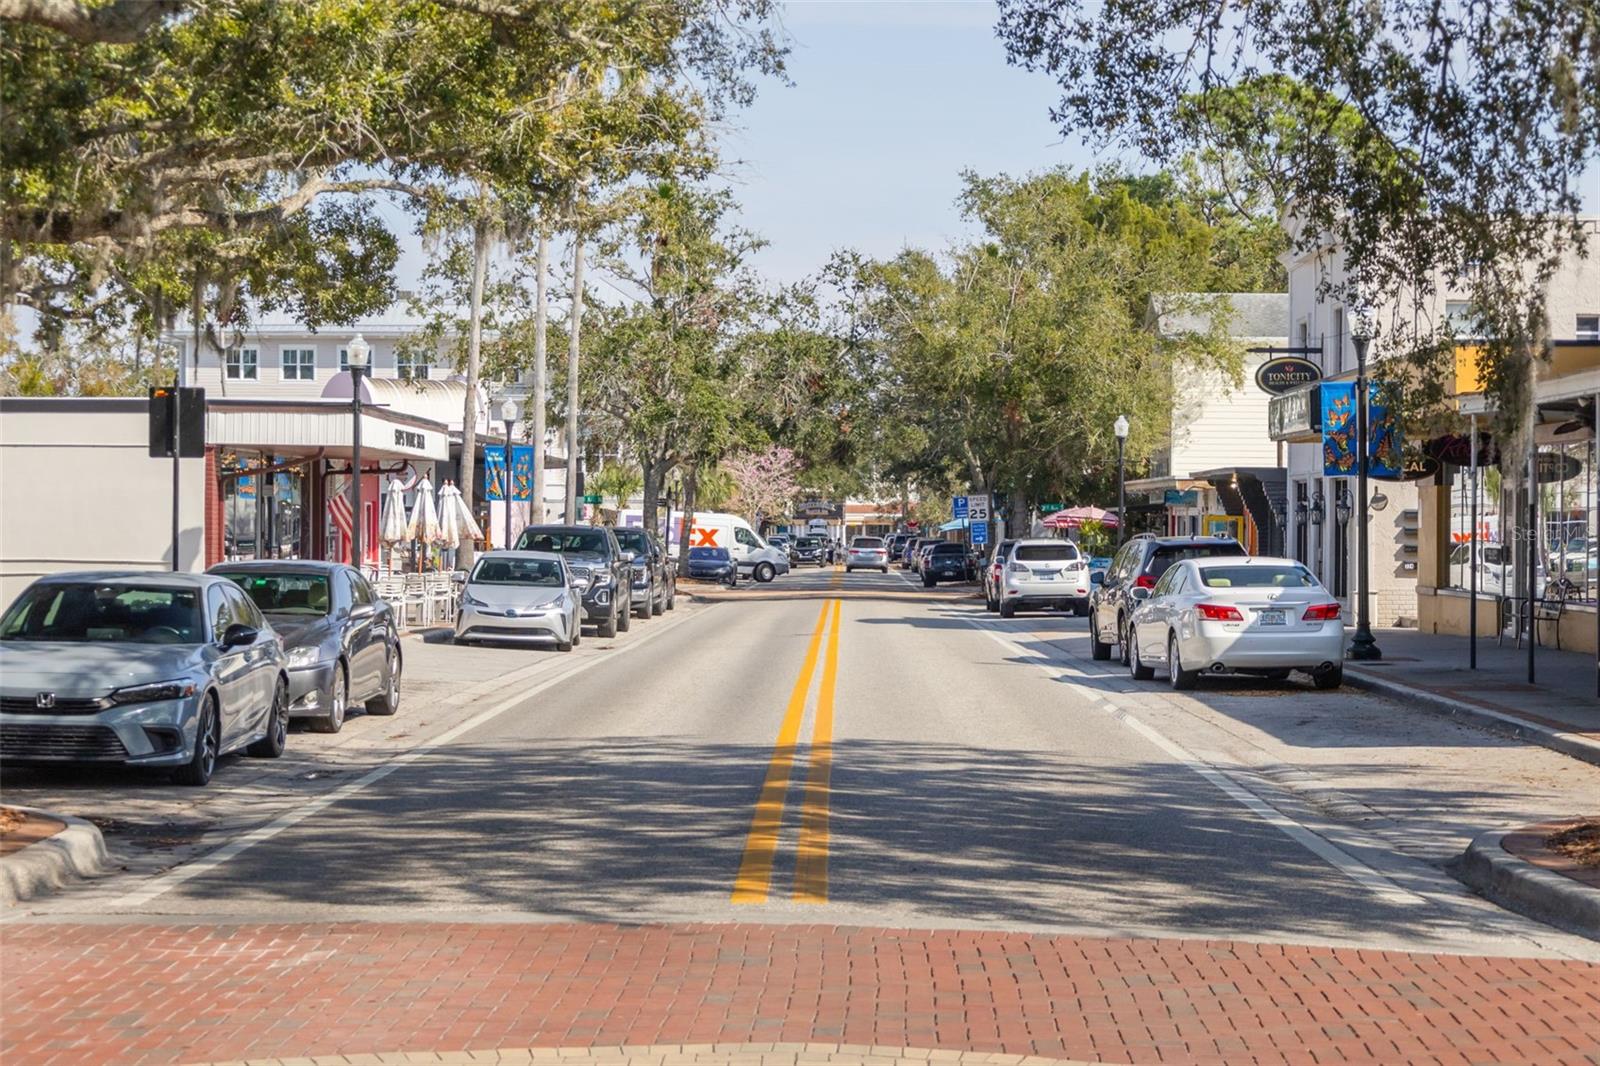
pixel 213 859
pixel 1339 859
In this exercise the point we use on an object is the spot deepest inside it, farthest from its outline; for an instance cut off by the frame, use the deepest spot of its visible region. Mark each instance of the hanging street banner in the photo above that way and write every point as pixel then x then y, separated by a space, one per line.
pixel 494 471
pixel 1339 429
pixel 522 472
pixel 1384 456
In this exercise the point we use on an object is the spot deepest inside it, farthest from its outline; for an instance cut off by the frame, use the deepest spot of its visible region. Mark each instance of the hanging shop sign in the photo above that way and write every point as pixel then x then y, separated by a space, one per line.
pixel 1553 466
pixel 1456 449
pixel 1415 466
pixel 1181 498
pixel 1286 373
pixel 1296 417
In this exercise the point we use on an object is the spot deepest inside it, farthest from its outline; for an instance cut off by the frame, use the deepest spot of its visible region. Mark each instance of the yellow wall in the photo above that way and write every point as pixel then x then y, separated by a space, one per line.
pixel 1450 613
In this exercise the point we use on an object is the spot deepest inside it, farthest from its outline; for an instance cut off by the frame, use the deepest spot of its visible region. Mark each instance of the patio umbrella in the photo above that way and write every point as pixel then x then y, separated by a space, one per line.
pixel 1073 517
pixel 455 519
pixel 424 524
pixel 392 522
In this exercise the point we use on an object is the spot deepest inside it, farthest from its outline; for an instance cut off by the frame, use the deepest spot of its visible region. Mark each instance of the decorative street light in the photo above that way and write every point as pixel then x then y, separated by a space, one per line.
pixel 1120 428
pixel 1319 508
pixel 1362 328
pixel 358 351
pixel 508 415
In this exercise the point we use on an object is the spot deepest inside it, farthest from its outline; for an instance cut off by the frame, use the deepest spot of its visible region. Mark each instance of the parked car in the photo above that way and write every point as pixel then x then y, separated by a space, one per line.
pixel 1140 564
pixel 812 550
pixel 924 550
pixel 781 541
pixel 989 574
pixel 945 562
pixel 909 552
pixel 598 568
pixel 894 542
pixel 522 597
pixel 1261 615
pixel 713 564
pixel 1044 573
pixel 654 584
pixel 341 638
pixel 749 552
pixel 168 671
pixel 867 553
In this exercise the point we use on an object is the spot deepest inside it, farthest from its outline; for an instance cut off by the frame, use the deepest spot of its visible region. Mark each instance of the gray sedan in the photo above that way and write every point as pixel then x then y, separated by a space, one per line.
pixel 340 636
pixel 139 669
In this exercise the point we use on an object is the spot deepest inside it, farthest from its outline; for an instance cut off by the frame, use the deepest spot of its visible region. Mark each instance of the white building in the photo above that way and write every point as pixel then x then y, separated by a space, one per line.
pixel 1218 471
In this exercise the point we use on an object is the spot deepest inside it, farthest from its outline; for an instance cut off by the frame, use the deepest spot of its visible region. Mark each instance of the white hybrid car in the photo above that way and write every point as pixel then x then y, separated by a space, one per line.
pixel 1259 615
pixel 520 597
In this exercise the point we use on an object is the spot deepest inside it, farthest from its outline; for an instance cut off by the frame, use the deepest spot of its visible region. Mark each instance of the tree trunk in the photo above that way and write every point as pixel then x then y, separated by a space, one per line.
pixel 1017 523
pixel 651 489
pixel 575 328
pixel 469 417
pixel 541 383
pixel 691 481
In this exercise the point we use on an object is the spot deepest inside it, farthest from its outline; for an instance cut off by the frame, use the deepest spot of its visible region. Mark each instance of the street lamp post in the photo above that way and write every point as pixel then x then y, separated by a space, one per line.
pixel 1120 427
pixel 1362 646
pixel 358 352
pixel 508 415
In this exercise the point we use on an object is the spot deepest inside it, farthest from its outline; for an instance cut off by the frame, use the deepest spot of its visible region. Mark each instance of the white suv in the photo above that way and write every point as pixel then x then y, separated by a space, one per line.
pixel 1044 573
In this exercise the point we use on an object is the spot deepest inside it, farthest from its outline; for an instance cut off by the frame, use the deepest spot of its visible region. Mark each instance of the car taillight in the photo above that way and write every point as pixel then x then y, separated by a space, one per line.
pixel 1321 612
pixel 1144 581
pixel 1218 612
pixel 1018 568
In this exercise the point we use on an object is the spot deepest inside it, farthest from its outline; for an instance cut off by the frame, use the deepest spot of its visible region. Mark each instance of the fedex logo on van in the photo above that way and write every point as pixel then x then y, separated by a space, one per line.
pixel 704 537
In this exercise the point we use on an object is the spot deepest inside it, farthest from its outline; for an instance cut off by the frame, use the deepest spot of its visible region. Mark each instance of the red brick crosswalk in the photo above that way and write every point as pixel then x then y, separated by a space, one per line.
pixel 136 993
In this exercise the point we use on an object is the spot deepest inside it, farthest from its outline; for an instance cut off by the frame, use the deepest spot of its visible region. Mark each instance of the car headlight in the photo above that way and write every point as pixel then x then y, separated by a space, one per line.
pixel 472 601
pixel 300 658
pixel 600 580
pixel 155 692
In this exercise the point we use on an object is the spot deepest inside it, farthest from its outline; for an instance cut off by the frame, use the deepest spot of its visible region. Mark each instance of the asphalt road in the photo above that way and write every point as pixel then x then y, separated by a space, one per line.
pixel 848 749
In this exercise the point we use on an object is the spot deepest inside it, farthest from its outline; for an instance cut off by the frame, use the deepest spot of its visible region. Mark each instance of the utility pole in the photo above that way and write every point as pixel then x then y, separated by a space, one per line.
pixel 575 328
pixel 541 384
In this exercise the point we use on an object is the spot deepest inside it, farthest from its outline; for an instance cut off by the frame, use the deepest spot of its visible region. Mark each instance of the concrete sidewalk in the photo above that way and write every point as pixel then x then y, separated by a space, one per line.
pixel 1560 711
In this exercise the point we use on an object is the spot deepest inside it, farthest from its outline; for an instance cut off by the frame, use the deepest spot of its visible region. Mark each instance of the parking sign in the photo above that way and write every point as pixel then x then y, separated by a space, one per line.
pixel 958 504
pixel 977 509
pixel 980 534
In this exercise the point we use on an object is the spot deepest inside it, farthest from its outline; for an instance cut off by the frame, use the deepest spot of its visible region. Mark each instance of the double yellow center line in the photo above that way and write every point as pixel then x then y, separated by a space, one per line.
pixel 754 880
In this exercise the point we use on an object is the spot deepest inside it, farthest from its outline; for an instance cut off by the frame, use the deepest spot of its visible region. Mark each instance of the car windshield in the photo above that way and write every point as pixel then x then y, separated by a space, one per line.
pixel 588 541
pixel 809 542
pixel 866 542
pixel 106 613
pixel 1041 552
pixel 1257 577
pixel 948 549
pixel 1162 558
pixel 633 540
pixel 709 554
pixel 544 573
pixel 285 593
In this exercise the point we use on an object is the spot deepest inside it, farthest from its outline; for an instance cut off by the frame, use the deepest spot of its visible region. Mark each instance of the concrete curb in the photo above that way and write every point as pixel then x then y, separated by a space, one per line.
pixel 77 852
pixel 1569 744
pixel 1519 885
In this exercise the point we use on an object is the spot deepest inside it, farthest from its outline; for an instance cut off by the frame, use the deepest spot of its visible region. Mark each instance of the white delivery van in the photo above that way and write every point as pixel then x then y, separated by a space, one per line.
pixel 714 529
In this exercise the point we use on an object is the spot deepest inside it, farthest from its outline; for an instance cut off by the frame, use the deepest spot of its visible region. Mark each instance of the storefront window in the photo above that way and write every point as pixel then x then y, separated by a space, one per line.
pixel 262 512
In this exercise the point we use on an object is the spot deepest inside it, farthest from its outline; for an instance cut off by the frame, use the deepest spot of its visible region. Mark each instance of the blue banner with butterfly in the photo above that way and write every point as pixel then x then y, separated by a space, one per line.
pixel 1339 432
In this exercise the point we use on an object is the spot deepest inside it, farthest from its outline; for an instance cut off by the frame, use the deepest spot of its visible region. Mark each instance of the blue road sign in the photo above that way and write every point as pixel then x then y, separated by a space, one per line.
pixel 980 533
pixel 958 504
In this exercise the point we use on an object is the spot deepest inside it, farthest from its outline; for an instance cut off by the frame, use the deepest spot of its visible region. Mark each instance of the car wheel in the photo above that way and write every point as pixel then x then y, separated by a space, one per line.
pixel 886 570
pixel 849 569
pixel 1179 678
pixel 672 595
pixel 1099 650
pixel 208 738
pixel 625 619
pixel 989 604
pixel 1122 640
pixel 765 572
pixel 657 606
pixel 271 746
pixel 608 628
pixel 563 645
pixel 1136 669
pixel 388 701
pixel 929 582
pixel 338 697
pixel 1325 680
pixel 1008 609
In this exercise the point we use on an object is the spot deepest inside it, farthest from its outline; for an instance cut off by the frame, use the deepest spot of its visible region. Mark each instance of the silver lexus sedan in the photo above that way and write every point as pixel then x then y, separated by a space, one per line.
pixel 141 669
pixel 521 596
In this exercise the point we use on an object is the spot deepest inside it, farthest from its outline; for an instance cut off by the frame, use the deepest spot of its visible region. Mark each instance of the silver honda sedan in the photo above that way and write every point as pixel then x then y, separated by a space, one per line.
pixel 520 596
pixel 139 669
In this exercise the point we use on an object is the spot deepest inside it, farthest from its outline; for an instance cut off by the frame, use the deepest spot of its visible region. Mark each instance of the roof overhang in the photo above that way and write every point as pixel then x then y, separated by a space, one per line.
pixel 317 427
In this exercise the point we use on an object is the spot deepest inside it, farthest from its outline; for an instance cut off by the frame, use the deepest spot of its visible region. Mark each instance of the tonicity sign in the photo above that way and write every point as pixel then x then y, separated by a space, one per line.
pixel 1286 374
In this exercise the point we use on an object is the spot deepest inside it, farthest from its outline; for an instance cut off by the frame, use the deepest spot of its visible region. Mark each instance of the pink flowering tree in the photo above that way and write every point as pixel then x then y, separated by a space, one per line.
pixel 764 481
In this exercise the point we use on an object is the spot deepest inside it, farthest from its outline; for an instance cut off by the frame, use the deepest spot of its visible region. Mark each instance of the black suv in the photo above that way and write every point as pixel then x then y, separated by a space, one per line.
pixel 809 550
pixel 598 567
pixel 1140 564
pixel 948 562
pixel 654 584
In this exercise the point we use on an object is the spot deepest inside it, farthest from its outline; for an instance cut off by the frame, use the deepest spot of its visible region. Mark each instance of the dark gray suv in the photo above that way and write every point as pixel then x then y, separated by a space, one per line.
pixel 599 567
pixel 655 585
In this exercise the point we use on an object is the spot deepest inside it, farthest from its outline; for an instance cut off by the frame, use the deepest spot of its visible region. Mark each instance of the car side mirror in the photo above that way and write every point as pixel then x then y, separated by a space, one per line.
pixel 458 577
pixel 1139 592
pixel 629 557
pixel 238 635
pixel 363 610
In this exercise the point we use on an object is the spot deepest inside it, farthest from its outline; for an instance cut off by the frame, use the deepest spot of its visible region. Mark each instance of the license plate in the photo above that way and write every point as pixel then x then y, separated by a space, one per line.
pixel 1045 575
pixel 1270 617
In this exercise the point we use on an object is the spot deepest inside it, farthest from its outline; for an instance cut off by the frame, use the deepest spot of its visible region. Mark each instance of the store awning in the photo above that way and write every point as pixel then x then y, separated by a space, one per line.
pixel 320 427
pixel 953 525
